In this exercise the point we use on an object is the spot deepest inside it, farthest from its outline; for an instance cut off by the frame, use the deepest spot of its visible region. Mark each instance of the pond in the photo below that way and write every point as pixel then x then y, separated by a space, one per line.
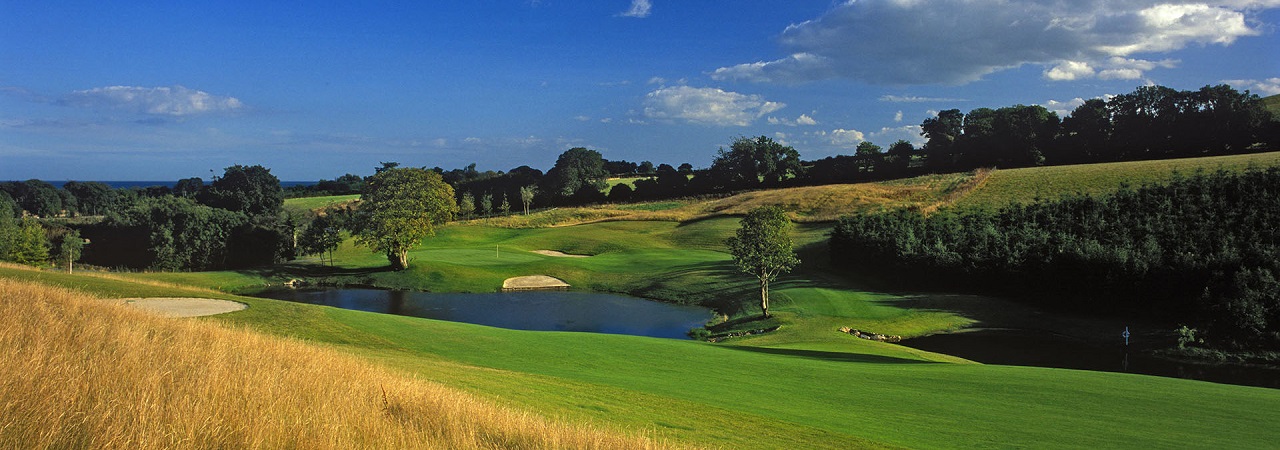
pixel 537 311
pixel 1018 347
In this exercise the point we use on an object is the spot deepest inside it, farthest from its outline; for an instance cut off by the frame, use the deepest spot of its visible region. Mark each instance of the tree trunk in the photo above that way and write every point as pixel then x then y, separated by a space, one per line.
pixel 399 259
pixel 764 296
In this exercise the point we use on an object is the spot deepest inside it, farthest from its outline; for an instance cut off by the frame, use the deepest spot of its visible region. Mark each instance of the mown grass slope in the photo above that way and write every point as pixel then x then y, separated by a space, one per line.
pixel 862 394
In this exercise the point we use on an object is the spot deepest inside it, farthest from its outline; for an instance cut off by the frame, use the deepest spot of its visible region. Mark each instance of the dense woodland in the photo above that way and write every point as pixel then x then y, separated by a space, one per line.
pixel 1203 250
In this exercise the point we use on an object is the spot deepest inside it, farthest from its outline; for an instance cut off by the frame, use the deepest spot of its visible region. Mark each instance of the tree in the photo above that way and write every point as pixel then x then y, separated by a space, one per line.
pixel 93 198
pixel 252 190
pixel 762 247
pixel 942 133
pixel 68 247
pixel 526 196
pixel 28 245
pixel 486 204
pixel 400 207
pixel 320 237
pixel 505 206
pixel 188 187
pixel 866 148
pixel 751 162
pixel 575 168
pixel 467 205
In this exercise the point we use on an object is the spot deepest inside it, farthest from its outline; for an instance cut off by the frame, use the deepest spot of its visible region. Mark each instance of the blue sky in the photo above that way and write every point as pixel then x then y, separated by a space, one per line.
pixel 133 90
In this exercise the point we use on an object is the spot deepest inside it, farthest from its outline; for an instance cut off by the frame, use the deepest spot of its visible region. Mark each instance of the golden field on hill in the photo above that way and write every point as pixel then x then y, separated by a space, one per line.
pixel 77 372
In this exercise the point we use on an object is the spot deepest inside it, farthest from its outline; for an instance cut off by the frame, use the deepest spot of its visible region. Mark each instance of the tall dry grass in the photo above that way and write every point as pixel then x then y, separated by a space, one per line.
pixel 77 372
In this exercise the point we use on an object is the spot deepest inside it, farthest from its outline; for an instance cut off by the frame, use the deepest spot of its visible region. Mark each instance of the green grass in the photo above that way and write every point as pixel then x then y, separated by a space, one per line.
pixel 803 386
pixel 1272 104
pixel 830 391
pixel 304 205
pixel 1027 184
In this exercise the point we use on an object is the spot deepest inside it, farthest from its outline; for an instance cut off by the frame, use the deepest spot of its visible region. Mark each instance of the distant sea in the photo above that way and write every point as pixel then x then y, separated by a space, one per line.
pixel 169 184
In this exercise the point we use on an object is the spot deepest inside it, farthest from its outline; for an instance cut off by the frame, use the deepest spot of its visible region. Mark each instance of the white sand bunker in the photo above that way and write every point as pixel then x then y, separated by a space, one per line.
pixel 534 283
pixel 184 307
pixel 559 254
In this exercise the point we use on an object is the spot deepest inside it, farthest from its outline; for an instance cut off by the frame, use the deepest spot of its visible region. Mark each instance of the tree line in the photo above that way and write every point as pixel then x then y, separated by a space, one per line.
pixel 1202 250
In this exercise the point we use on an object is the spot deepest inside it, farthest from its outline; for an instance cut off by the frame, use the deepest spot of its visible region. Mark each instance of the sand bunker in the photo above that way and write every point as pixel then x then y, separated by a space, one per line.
pixel 559 254
pixel 534 283
pixel 184 307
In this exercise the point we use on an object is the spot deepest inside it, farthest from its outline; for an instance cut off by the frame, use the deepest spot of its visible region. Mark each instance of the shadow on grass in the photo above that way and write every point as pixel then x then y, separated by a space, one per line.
pixel 312 271
pixel 830 356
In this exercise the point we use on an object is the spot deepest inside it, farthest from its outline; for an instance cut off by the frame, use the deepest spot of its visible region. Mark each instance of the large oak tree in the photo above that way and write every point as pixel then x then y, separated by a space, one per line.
pixel 401 206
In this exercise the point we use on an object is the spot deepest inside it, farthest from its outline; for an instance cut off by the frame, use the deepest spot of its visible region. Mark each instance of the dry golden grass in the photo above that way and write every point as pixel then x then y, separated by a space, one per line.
pixel 77 372
pixel 804 204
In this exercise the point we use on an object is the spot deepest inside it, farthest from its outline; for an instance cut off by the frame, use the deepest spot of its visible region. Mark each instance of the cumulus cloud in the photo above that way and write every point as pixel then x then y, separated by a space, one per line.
pixel 638 9
pixel 845 138
pixel 176 101
pixel 804 119
pixel 897 117
pixel 1063 109
pixel 1267 87
pixel 917 99
pixel 888 135
pixel 707 106
pixel 908 42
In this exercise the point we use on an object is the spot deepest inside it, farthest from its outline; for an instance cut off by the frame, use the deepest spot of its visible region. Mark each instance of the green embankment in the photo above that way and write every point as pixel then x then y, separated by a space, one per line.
pixel 803 386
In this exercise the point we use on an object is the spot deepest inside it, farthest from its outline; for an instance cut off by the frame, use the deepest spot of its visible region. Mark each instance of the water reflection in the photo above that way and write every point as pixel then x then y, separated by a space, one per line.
pixel 540 311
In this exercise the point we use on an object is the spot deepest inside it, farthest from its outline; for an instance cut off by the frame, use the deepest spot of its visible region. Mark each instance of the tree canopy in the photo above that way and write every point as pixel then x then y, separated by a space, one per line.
pixel 575 168
pixel 252 190
pixel 763 248
pixel 401 206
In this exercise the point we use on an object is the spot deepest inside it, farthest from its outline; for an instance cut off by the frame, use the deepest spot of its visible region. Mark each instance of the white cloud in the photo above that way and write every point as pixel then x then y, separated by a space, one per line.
pixel 639 9
pixel 1069 70
pixel 1267 87
pixel 173 101
pixel 1063 109
pixel 846 138
pixel 804 119
pixel 888 135
pixel 897 117
pixel 907 42
pixel 582 118
pixel 917 99
pixel 707 106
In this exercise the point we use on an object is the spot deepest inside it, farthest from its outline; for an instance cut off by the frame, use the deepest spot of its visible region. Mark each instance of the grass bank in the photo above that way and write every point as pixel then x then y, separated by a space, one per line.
pixel 81 373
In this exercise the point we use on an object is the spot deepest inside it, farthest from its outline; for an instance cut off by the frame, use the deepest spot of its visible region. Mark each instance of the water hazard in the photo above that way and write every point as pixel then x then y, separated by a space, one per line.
pixel 537 311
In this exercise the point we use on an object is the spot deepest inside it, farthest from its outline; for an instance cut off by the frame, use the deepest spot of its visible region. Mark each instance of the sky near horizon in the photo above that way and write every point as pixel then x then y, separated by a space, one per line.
pixel 111 90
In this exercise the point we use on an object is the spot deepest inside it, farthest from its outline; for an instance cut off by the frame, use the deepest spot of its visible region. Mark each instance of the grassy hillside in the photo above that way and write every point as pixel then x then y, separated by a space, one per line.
pixel 846 393
pixel 82 373
pixel 1272 104
pixel 1027 184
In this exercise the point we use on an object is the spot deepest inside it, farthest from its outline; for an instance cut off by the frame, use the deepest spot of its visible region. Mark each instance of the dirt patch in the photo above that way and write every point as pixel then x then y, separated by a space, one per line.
pixel 534 283
pixel 183 307
pixel 559 254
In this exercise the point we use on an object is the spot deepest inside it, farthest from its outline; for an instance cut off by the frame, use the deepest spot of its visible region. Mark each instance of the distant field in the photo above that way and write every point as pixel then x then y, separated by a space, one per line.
pixel 1027 184
pixel 1272 104
pixel 308 204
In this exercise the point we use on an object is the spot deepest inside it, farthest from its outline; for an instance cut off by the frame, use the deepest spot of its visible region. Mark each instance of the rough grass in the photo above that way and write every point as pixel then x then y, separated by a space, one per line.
pixel 1027 184
pixel 77 372
pixel 309 205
